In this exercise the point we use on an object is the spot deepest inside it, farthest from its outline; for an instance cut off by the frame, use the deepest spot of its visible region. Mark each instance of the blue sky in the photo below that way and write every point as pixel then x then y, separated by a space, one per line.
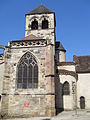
pixel 72 22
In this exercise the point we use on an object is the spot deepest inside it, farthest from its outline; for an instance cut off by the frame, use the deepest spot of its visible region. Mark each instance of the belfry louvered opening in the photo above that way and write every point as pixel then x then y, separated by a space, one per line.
pixel 27 72
pixel 45 24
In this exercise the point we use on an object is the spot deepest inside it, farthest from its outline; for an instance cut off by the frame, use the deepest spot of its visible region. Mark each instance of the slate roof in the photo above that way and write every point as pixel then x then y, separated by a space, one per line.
pixel 31 37
pixel 83 64
pixel 39 10
pixel 65 63
pixel 59 46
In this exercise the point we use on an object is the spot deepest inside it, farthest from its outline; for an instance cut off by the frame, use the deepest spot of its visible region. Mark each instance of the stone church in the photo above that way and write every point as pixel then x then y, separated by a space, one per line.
pixel 35 79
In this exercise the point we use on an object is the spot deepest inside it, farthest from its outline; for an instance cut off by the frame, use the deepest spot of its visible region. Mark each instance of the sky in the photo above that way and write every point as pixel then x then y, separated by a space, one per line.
pixel 72 22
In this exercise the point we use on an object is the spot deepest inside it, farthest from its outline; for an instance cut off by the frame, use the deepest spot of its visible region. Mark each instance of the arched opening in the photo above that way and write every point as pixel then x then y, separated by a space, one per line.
pixel 82 102
pixel 27 72
pixel 45 24
pixel 34 25
pixel 66 88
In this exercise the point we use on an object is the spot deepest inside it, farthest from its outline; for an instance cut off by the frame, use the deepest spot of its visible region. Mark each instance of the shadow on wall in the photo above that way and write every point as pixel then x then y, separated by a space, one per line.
pixel 58 94
pixel 0 106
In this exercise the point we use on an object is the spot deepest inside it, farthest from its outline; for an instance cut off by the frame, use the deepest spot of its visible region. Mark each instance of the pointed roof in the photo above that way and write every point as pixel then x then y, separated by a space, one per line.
pixel 39 10
pixel 59 46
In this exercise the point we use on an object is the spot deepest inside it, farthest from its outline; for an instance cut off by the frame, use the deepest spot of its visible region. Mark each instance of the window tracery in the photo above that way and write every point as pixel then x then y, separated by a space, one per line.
pixel 27 72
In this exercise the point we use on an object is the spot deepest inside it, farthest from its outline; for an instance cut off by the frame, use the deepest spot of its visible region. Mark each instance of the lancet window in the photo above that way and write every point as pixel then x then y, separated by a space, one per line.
pixel 34 25
pixel 45 24
pixel 66 88
pixel 27 72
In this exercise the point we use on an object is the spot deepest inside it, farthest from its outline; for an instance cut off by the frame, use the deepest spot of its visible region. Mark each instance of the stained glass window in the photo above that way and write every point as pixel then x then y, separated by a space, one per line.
pixel 27 75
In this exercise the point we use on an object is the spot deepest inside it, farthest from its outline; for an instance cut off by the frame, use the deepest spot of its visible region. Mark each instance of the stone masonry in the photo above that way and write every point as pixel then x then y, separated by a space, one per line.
pixel 60 85
pixel 40 101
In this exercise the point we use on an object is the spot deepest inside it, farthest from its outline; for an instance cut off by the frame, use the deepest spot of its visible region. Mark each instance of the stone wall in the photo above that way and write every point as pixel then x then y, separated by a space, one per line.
pixel 48 34
pixel 39 102
pixel 60 56
pixel 65 102
pixel 83 89
pixel 65 74
pixel 1 76
pixel 67 67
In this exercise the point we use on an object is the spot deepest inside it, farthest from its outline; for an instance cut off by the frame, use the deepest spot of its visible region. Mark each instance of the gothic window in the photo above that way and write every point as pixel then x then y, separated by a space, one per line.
pixel 44 24
pixel 66 88
pixel 82 102
pixel 34 25
pixel 27 72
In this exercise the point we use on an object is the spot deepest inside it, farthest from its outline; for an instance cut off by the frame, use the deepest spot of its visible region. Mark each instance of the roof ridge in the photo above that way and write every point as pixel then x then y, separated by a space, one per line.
pixel 59 46
pixel 39 10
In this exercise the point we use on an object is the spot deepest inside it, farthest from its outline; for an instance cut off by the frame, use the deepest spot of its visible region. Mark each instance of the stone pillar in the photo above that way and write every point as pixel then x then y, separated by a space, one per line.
pixel 50 83
pixel 5 87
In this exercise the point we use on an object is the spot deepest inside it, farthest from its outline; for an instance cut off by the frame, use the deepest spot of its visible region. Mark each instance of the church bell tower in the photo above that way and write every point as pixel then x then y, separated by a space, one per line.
pixel 41 23
pixel 29 80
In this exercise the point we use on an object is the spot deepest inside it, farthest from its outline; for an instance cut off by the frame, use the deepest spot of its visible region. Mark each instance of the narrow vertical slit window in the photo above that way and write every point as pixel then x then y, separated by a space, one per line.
pixel 0 97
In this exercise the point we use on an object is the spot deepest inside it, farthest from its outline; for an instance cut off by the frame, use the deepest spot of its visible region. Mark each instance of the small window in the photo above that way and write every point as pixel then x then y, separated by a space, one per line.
pixel 0 97
pixel 82 102
pixel 34 25
pixel 45 24
pixel 66 88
